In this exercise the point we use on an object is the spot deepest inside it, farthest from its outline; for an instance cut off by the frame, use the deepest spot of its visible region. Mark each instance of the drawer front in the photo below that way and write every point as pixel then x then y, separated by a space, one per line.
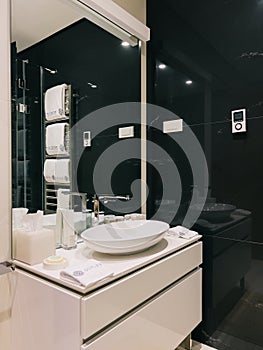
pixel 161 324
pixel 106 305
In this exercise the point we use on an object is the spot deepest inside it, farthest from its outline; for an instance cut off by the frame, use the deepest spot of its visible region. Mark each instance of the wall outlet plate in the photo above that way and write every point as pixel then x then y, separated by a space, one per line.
pixel 173 126
pixel 126 132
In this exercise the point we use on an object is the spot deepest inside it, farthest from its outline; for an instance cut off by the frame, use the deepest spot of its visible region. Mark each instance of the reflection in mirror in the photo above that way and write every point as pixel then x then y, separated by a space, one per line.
pixel 63 68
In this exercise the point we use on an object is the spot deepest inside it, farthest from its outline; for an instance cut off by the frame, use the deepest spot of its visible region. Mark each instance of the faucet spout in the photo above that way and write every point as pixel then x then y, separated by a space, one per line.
pixel 83 197
pixel 104 198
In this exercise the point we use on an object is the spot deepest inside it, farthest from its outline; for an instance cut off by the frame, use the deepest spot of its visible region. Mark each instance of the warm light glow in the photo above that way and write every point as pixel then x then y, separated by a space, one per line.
pixel 93 86
pixel 125 44
pixel 162 66
pixel 188 82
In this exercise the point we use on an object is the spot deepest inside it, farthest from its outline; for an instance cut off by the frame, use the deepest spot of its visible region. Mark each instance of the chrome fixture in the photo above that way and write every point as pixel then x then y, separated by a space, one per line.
pixel 83 198
pixel 105 198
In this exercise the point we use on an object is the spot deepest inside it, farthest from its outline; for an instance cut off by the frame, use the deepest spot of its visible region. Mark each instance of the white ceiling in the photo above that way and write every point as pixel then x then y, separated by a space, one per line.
pixel 34 20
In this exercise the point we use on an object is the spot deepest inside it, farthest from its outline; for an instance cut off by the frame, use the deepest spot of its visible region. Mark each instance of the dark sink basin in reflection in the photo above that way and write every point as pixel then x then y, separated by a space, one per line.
pixel 216 212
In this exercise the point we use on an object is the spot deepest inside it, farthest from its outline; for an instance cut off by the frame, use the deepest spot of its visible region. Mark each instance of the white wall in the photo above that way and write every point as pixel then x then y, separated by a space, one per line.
pixel 136 7
pixel 5 127
pixel 5 174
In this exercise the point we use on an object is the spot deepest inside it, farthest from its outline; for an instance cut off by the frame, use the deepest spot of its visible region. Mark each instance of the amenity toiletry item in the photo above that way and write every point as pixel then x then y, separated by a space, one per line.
pixel 69 237
pixel 88 216
pixel 54 262
pixel 55 102
pixel 57 139
pixel 182 232
pixel 135 216
pixel 57 170
pixel 32 242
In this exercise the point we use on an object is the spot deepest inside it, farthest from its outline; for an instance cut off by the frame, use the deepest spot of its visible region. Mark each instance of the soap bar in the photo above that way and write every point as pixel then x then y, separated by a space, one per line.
pixel 33 247
pixel 54 262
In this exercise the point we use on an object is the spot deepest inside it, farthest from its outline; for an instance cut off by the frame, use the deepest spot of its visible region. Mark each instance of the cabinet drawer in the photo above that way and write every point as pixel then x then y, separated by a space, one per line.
pixel 161 324
pixel 107 304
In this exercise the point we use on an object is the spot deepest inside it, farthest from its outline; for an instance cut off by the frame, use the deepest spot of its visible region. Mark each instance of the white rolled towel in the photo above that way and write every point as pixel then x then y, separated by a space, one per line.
pixel 57 139
pixel 63 198
pixel 62 173
pixel 55 102
pixel 49 170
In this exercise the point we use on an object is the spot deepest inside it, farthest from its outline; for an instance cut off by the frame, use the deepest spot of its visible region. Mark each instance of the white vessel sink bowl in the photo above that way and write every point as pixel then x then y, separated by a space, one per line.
pixel 125 237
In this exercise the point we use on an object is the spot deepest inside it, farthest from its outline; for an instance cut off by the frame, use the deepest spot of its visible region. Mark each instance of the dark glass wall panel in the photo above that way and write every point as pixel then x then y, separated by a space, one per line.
pixel 217 45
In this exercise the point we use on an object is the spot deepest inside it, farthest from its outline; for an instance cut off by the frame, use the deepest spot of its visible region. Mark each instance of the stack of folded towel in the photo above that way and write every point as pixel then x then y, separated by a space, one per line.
pixel 182 232
pixel 55 102
pixel 57 170
pixel 57 139
pixel 87 274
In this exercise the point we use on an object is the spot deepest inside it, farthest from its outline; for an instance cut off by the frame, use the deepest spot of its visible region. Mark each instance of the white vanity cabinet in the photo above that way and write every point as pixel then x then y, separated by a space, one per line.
pixel 155 306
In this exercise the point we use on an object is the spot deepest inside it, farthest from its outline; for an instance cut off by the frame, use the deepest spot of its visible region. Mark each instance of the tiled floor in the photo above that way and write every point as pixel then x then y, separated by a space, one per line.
pixel 198 346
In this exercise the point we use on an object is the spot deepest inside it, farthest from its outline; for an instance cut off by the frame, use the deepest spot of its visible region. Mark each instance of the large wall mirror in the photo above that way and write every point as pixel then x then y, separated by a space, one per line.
pixel 60 56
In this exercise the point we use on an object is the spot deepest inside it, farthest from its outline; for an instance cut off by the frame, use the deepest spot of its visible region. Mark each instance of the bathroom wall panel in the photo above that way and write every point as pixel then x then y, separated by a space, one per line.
pixel 205 41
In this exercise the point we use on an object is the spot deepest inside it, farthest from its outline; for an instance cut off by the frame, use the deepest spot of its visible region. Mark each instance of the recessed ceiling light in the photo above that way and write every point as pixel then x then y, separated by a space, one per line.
pixel 93 86
pixel 189 82
pixel 162 66
pixel 125 44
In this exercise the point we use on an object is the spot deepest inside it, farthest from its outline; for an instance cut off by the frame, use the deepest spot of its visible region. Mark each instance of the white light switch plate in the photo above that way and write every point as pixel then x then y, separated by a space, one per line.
pixel 173 126
pixel 126 132
pixel 86 138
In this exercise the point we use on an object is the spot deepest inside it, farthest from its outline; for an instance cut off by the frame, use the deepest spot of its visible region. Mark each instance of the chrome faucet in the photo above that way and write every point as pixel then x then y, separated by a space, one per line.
pixel 83 198
pixel 104 198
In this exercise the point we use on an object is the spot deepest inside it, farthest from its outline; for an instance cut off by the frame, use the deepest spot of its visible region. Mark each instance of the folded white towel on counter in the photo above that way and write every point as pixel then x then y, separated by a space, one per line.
pixel 57 139
pixel 87 274
pixel 57 170
pixel 55 102
pixel 49 170
pixel 182 232
pixel 63 198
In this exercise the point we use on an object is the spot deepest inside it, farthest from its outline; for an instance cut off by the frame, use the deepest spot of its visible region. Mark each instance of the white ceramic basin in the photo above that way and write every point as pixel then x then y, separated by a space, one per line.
pixel 125 237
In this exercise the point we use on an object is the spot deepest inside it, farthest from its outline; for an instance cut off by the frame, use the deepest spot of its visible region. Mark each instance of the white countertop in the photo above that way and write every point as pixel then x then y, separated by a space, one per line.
pixel 119 264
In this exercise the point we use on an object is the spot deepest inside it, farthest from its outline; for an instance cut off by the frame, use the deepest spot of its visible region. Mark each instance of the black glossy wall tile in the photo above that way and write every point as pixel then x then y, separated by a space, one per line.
pixel 218 45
